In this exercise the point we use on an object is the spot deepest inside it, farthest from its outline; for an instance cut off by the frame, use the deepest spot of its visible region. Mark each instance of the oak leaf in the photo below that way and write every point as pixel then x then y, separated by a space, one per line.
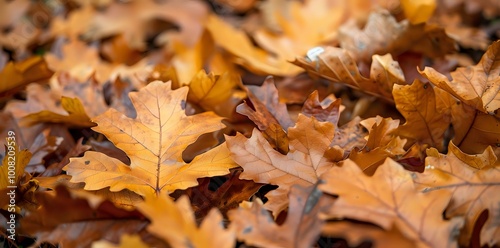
pixel 154 142
pixel 474 183
pixel 255 226
pixel 426 120
pixel 337 65
pixel 77 116
pixel 383 34
pixel 477 86
pixel 310 156
pixel 175 223
pixel 390 199
pixel 209 91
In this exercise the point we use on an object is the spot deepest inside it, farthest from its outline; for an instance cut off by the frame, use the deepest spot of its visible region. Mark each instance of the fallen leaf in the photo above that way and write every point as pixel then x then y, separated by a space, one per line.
pixel 389 199
pixel 336 65
pixel 77 117
pixel 477 86
pixel 237 43
pixel 310 156
pixel 14 76
pixel 383 34
pixel 76 220
pixel 210 90
pixel 154 142
pixel 327 110
pixel 255 226
pixel 175 223
pixel 473 182
pixel 425 121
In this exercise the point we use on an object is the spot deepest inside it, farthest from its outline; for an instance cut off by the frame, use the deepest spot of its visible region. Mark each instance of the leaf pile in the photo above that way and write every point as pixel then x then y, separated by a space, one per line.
pixel 274 123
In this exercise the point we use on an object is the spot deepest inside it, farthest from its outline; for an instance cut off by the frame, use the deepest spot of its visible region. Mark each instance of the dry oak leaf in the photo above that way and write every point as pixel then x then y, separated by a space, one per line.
pixel 175 223
pixel 336 65
pixel 154 142
pixel 76 219
pixel 426 119
pixel 477 86
pixel 310 156
pixel 383 34
pixel 210 90
pixel 379 146
pixel 390 199
pixel 268 113
pixel 474 181
pixel 302 227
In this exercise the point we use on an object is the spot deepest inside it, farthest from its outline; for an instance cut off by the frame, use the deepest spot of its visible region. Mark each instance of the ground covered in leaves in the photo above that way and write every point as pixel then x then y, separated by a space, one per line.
pixel 245 123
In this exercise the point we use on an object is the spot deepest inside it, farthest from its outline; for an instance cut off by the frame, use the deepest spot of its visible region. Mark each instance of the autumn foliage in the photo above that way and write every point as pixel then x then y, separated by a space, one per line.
pixel 273 123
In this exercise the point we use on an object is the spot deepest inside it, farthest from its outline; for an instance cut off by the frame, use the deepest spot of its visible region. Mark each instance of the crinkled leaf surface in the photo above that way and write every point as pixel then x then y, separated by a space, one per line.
pixel 474 183
pixel 478 86
pixel 389 198
pixel 425 122
pixel 154 142
pixel 309 157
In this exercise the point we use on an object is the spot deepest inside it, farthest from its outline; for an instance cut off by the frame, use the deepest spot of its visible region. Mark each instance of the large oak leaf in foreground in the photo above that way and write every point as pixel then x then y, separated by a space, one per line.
pixel 390 199
pixel 154 142
pixel 310 156
pixel 474 182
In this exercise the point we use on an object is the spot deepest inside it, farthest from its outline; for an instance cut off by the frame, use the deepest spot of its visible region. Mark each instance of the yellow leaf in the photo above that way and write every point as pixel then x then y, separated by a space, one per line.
pixel 154 142
pixel 77 116
pixel 209 90
pixel 255 59
pixel 16 75
pixel 418 11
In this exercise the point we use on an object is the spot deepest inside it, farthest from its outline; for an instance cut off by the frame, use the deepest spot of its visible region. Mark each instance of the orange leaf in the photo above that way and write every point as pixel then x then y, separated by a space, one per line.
pixel 424 121
pixel 389 199
pixel 154 142
pixel 175 223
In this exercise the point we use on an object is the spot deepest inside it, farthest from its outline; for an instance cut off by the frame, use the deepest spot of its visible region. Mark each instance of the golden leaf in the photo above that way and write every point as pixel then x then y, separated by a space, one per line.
pixel 154 142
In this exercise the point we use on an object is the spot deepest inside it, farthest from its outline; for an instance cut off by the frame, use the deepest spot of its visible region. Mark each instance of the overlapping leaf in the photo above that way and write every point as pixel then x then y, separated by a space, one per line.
pixel 474 183
pixel 310 156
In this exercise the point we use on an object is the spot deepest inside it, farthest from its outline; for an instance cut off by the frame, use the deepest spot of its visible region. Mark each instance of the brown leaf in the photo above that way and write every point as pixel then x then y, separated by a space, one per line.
pixel 76 220
pixel 425 121
pixel 310 156
pixel 383 34
pixel 77 116
pixel 336 65
pixel 473 181
pixel 477 86
pixel 327 110
pixel 255 226
pixel 154 142
pixel 389 199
